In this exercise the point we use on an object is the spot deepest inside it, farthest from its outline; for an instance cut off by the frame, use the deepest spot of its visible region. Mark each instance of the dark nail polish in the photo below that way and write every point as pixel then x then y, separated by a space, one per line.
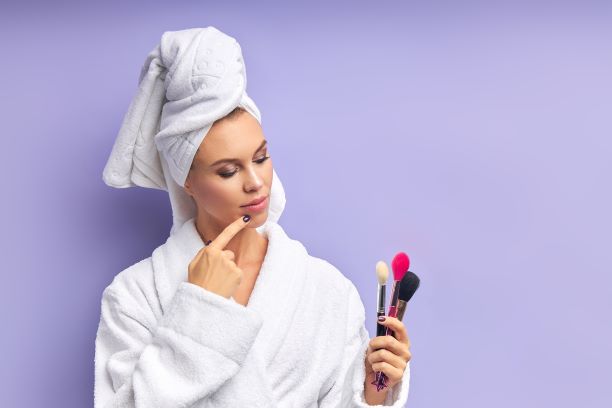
pixel 246 218
pixel 381 318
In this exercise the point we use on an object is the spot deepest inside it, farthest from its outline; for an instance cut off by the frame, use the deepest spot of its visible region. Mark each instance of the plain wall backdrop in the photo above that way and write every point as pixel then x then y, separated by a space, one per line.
pixel 475 136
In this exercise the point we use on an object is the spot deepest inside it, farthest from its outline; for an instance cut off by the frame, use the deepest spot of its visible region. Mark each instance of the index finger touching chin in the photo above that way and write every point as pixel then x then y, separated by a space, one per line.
pixel 228 233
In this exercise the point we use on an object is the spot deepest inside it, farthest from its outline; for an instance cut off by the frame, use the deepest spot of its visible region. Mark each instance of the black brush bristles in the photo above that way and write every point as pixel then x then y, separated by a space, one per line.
pixel 409 284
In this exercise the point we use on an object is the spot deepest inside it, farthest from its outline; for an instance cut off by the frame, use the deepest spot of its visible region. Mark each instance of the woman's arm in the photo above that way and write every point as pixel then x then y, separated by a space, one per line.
pixel 198 344
pixel 348 391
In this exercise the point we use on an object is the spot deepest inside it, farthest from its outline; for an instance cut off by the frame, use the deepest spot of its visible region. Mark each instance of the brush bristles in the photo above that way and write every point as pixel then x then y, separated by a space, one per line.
pixel 382 272
pixel 400 265
pixel 410 283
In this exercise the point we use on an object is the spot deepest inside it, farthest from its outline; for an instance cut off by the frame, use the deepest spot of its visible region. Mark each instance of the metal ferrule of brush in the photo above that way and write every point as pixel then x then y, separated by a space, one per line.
pixel 380 299
pixel 401 309
pixel 380 329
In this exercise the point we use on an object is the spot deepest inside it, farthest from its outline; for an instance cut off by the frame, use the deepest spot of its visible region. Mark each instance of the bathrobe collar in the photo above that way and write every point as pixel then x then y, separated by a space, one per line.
pixel 275 296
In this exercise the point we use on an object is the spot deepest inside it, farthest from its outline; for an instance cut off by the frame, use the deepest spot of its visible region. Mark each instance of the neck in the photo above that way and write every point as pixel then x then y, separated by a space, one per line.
pixel 246 244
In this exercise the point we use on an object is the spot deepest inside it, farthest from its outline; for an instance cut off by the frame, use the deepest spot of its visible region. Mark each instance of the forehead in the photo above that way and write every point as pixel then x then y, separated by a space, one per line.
pixel 231 138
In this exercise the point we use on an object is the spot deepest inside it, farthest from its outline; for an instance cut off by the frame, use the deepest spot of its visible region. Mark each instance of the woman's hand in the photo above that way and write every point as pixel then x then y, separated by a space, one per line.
pixel 213 268
pixel 389 354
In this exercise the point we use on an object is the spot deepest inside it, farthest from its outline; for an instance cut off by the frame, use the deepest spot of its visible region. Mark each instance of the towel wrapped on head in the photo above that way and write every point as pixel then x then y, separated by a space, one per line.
pixel 191 79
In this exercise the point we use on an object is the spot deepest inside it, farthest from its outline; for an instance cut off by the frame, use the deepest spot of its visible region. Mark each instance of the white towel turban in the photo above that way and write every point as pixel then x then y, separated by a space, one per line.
pixel 192 78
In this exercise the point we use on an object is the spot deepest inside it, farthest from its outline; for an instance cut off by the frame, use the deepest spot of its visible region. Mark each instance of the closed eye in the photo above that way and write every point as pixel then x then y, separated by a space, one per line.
pixel 258 161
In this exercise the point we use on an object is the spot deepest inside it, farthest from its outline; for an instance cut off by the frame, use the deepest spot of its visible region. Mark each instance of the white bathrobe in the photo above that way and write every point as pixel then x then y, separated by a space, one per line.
pixel 299 342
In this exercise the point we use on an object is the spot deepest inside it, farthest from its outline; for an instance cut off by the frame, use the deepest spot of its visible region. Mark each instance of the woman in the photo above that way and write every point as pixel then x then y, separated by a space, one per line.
pixel 229 311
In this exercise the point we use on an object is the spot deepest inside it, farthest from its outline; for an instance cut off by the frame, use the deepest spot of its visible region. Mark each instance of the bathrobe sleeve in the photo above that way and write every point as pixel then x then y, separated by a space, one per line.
pixel 349 385
pixel 197 345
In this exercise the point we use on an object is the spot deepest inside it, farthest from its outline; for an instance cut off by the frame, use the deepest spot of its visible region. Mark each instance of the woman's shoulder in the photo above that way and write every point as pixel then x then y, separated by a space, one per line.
pixel 335 291
pixel 136 274
pixel 325 272
pixel 134 286
pixel 319 271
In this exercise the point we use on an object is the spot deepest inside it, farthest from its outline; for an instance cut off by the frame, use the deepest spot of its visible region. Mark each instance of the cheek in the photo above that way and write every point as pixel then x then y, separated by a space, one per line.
pixel 215 195
pixel 268 172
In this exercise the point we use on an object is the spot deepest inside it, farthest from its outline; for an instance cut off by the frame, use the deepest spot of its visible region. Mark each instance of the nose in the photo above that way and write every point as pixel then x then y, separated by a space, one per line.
pixel 253 180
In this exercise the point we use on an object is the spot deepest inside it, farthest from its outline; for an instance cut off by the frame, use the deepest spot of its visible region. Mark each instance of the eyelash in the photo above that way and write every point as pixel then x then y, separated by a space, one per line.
pixel 259 161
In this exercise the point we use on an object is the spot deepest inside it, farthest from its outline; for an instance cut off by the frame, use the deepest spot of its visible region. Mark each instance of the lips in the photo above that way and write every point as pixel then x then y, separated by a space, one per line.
pixel 255 201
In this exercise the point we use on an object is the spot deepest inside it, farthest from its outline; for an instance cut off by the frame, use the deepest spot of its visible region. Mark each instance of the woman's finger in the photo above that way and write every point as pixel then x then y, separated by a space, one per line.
pixel 384 355
pixel 228 233
pixel 398 328
pixel 394 374
pixel 392 344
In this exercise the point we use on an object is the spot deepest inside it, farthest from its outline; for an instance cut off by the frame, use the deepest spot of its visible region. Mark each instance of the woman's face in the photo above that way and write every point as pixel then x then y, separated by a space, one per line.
pixel 221 187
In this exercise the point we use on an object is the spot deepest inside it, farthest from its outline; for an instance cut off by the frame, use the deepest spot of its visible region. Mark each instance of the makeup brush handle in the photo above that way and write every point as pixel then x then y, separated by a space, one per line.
pixel 381 378
pixel 380 381
pixel 380 329
pixel 392 313
pixel 389 332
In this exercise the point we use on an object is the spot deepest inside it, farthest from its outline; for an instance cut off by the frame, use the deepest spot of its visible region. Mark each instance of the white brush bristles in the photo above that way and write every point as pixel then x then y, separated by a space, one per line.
pixel 382 272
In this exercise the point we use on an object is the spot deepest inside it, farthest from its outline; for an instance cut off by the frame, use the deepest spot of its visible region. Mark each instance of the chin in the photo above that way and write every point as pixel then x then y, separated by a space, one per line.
pixel 258 219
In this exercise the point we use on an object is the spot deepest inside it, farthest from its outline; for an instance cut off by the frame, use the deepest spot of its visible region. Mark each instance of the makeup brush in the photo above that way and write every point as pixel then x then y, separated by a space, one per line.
pixel 409 284
pixel 400 265
pixel 382 274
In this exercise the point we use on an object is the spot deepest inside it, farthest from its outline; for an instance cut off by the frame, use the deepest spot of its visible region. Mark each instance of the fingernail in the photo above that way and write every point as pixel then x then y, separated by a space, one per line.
pixel 246 218
pixel 381 318
pixel 208 242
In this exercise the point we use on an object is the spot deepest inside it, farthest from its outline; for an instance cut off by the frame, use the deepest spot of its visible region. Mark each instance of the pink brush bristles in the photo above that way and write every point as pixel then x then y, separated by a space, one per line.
pixel 400 265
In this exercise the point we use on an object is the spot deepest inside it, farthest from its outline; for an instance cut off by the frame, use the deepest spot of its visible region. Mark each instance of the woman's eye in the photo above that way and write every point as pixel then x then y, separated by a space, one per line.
pixel 259 161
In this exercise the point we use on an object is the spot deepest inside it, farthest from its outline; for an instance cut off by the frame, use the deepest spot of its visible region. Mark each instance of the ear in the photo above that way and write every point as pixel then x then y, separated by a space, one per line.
pixel 187 186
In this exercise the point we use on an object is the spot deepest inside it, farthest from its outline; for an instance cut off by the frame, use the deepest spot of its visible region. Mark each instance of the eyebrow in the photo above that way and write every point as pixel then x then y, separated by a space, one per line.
pixel 236 160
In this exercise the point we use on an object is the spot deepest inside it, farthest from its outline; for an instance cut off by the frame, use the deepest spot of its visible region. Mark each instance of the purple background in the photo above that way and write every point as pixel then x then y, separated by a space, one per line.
pixel 475 136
